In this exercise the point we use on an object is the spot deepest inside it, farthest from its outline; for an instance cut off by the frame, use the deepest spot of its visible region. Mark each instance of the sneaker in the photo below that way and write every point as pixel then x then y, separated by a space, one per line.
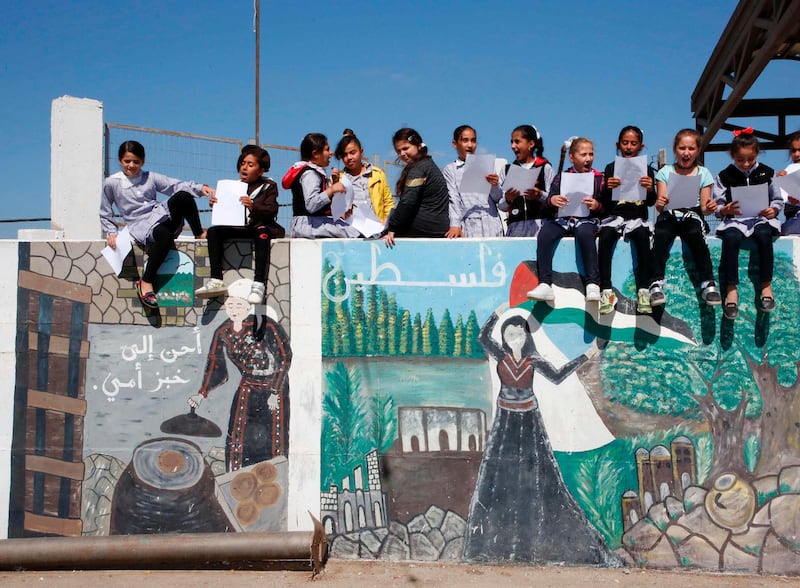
pixel 213 288
pixel 657 297
pixel 542 292
pixel 711 295
pixel 592 293
pixel 643 304
pixel 256 295
pixel 607 301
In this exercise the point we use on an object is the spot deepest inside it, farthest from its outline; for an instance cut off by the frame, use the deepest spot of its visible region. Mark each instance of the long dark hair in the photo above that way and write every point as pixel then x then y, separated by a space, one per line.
pixel 413 137
pixel 518 321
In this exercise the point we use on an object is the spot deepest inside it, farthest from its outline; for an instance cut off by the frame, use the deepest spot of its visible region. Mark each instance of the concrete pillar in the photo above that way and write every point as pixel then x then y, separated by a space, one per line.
pixel 76 167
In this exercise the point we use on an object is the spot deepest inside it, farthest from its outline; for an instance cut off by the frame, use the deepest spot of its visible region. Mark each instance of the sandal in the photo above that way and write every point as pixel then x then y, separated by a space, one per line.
pixel 148 299
pixel 730 310
pixel 766 304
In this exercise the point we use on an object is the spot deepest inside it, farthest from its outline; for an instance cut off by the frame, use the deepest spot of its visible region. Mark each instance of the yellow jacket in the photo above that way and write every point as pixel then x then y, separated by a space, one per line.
pixel 380 194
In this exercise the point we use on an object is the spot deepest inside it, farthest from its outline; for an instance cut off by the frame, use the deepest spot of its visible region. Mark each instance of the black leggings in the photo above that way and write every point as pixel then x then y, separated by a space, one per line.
pixel 640 244
pixel 729 259
pixel 258 235
pixel 182 206
pixel 690 231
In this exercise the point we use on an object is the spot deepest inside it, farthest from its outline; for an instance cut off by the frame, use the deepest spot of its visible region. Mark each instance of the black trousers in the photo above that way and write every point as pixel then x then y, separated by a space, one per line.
pixel 691 233
pixel 260 237
pixel 182 207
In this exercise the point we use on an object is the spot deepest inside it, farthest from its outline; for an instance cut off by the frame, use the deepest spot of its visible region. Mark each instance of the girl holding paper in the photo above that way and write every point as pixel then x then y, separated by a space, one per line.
pixel 686 222
pixel 527 209
pixel 736 224
pixel 261 202
pixel 371 190
pixel 580 223
pixel 151 223
pixel 472 214
pixel 792 201
pixel 629 219
pixel 311 194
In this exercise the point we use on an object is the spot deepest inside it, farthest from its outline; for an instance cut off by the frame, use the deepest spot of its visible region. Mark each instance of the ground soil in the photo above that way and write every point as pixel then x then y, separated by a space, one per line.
pixel 346 574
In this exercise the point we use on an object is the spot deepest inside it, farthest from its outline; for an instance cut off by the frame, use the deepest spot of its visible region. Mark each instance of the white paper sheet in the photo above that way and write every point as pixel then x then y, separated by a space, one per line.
pixel 342 201
pixel 683 191
pixel 751 199
pixel 789 185
pixel 228 210
pixel 365 221
pixel 116 257
pixel 576 187
pixel 630 171
pixel 476 168
pixel 521 179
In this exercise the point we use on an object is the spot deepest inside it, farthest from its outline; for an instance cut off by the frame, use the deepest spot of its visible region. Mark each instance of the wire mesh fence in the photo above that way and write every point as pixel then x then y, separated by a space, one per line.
pixel 207 160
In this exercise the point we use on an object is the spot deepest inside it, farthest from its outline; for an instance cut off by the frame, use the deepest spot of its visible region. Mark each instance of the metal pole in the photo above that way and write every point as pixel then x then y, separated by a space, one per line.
pixel 258 67
pixel 147 551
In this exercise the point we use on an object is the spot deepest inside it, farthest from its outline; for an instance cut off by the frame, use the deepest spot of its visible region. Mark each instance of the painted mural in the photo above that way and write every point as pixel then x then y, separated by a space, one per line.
pixel 459 420
pixel 131 422
pixel 462 421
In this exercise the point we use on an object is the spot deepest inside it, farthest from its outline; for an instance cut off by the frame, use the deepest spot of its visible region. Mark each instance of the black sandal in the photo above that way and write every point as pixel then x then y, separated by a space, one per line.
pixel 147 299
pixel 766 304
pixel 730 310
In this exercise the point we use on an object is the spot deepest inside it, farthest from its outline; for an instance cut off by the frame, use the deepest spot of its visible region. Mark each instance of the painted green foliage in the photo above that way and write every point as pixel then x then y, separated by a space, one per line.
pixel 377 325
pixel 354 423
pixel 739 372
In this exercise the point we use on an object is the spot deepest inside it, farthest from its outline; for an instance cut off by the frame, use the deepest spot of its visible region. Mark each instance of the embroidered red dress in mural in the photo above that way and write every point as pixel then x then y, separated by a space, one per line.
pixel 258 425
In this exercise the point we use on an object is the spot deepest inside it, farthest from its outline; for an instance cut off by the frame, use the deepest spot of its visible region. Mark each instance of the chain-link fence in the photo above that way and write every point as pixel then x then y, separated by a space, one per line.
pixel 205 159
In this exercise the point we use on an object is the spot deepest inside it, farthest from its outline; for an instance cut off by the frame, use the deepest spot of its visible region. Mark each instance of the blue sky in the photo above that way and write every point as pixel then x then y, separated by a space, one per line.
pixel 571 68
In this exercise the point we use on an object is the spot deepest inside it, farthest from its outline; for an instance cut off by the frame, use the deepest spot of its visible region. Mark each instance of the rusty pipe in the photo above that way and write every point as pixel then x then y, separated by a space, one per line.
pixel 126 551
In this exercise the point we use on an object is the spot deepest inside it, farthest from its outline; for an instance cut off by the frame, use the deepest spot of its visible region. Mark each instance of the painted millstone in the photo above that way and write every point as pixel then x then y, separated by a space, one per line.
pixel 461 421
pixel 129 429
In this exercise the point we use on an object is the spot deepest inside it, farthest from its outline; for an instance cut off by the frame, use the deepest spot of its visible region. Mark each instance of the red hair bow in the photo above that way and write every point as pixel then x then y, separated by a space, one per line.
pixel 746 131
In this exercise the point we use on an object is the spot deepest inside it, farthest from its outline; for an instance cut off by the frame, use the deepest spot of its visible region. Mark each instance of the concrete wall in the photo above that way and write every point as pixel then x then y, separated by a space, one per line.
pixel 665 440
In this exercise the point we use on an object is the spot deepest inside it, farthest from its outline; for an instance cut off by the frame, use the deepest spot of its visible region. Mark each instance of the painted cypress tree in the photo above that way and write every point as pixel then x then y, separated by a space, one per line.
pixel 406 334
pixel 371 347
pixel 430 335
pixel 328 315
pixel 446 334
pixel 392 332
pixel 458 337
pixel 358 321
pixel 416 336
pixel 472 348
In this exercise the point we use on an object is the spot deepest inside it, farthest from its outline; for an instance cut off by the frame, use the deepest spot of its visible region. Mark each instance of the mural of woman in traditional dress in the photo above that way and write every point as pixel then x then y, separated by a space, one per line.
pixel 258 428
pixel 521 510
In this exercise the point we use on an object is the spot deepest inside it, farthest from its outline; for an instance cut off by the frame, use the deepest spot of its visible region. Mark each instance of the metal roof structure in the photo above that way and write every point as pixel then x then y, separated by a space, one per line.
pixel 758 32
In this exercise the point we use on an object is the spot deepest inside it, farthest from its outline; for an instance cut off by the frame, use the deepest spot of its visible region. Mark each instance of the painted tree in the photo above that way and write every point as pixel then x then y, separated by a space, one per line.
pixel 471 346
pixel 742 377
pixel 430 335
pixel 358 319
pixel 446 334
pixel 406 334
pixel 383 421
pixel 458 337
pixel 416 336
pixel 344 443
